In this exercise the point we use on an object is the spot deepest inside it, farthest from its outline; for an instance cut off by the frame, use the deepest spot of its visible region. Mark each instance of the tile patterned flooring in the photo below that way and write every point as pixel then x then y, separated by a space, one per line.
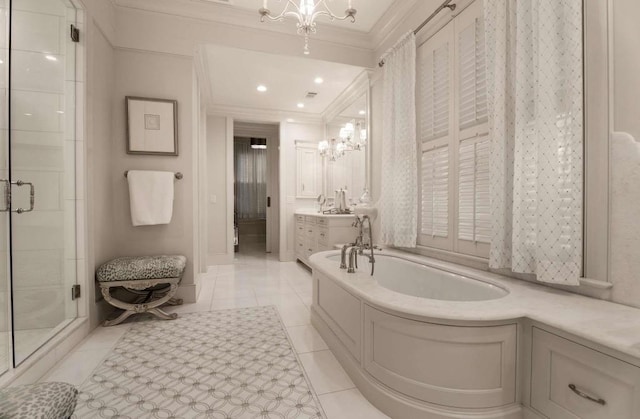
pixel 254 279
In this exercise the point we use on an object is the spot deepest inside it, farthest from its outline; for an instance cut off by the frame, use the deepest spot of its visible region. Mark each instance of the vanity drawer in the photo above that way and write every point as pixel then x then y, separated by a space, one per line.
pixel 323 221
pixel 300 231
pixel 300 218
pixel 323 236
pixel 559 364
pixel 309 230
pixel 310 219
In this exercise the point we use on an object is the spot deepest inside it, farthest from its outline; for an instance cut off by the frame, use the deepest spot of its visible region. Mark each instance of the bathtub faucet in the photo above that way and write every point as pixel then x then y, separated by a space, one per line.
pixel 358 243
pixel 360 246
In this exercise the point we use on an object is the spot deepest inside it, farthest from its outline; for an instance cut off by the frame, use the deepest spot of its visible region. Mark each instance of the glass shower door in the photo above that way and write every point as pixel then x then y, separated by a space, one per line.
pixel 5 318
pixel 42 171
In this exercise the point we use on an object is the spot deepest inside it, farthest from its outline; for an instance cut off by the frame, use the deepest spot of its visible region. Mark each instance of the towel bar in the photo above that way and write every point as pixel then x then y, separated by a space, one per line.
pixel 178 175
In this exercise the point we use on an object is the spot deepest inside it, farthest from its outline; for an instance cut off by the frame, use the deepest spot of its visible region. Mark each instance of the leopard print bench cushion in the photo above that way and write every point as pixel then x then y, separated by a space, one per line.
pixel 142 267
pixel 38 401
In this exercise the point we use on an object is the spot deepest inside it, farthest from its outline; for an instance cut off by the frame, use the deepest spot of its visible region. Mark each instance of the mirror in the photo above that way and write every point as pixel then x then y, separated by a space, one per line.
pixel 346 147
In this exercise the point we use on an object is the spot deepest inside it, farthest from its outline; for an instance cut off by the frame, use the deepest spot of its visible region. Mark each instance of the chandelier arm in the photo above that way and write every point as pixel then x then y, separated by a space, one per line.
pixel 349 13
pixel 285 12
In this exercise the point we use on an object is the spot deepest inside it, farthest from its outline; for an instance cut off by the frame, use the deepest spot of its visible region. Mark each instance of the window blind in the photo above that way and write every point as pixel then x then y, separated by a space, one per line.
pixel 474 222
pixel 435 192
pixel 472 66
pixel 434 86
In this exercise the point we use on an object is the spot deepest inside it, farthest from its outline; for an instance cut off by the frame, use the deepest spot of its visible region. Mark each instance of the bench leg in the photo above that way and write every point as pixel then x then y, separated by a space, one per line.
pixel 152 306
pixel 162 314
pixel 122 317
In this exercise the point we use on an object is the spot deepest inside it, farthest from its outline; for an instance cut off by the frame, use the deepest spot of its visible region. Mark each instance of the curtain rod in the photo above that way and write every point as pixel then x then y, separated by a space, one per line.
pixel 444 5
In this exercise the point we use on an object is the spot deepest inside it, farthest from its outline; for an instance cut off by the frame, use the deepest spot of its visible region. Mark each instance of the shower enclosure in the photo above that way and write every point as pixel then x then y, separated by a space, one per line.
pixel 37 175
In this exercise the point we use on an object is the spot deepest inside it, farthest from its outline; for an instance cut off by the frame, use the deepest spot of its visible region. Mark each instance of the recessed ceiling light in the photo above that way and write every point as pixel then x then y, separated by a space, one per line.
pixel 300 105
pixel 50 58
pixel 1 62
pixel 319 80
pixel 362 112
pixel 60 112
pixel 290 120
pixel 28 114
pixel 262 88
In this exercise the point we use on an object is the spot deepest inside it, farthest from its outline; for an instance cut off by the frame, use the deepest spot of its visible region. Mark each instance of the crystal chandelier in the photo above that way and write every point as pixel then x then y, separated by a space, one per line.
pixel 349 141
pixel 306 12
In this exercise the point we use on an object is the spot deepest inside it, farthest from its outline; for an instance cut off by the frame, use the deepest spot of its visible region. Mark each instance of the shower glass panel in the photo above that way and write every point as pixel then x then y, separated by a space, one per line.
pixel 5 318
pixel 42 171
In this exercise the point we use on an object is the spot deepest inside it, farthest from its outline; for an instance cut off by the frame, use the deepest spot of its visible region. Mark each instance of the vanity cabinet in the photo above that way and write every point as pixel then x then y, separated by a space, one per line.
pixel 318 232
pixel 569 380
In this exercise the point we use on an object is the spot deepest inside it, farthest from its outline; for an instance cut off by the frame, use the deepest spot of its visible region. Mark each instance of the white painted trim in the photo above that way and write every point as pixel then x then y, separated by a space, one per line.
pixel 188 292
pixel 270 131
pixel 390 20
pixel 598 83
pixel 359 85
pixel 230 177
pixel 262 115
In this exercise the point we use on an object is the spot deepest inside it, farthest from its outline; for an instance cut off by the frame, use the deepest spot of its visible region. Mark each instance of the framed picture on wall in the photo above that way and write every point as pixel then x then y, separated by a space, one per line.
pixel 152 126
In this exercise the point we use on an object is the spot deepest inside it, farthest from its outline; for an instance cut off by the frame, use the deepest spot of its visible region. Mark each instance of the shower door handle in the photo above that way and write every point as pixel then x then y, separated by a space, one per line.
pixel 32 197
pixel 7 196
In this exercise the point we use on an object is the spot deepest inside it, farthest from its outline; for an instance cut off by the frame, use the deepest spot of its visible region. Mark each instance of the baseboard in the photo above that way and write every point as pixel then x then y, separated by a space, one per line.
pixel 529 413
pixel 188 293
pixel 48 356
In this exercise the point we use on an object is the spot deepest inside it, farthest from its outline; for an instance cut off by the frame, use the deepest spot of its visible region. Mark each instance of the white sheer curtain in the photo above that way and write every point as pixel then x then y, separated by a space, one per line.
pixel 250 180
pixel 398 201
pixel 535 86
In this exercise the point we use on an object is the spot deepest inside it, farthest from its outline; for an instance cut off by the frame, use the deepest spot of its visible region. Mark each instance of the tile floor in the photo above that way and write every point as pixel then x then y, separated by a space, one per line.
pixel 254 279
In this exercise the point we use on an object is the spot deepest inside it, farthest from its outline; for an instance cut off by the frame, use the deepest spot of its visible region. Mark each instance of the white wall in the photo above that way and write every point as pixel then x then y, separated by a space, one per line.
pixel 220 244
pixel 625 155
pixel 155 75
pixel 100 84
pixel 290 132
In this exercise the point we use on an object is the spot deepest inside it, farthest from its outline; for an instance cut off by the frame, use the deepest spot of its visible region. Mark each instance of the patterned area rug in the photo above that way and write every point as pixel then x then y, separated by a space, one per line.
pixel 221 364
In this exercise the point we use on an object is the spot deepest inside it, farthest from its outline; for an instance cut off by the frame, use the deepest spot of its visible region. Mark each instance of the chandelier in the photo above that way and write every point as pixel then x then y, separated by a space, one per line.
pixel 348 141
pixel 306 12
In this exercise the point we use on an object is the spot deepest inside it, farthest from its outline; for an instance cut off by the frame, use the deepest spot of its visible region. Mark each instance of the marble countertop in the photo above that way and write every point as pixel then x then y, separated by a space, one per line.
pixel 612 325
pixel 314 212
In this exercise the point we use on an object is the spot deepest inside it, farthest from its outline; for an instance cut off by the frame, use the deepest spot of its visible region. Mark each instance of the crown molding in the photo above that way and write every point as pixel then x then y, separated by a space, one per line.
pixel 220 13
pixel 389 21
pixel 359 86
pixel 259 115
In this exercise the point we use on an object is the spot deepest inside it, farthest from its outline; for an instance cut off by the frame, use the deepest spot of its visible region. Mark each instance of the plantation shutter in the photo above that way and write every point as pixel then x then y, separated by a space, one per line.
pixel 435 125
pixel 435 192
pixel 472 70
pixel 474 223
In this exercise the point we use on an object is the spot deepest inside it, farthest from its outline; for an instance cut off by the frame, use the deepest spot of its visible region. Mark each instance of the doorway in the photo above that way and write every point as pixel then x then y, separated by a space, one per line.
pixel 256 216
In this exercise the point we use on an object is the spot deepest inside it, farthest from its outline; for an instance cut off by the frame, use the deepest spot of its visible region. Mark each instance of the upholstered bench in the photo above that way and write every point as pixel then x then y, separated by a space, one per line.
pixel 153 279
pixel 41 400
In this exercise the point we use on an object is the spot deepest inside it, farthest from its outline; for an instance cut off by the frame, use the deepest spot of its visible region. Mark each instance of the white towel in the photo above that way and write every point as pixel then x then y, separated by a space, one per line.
pixel 151 196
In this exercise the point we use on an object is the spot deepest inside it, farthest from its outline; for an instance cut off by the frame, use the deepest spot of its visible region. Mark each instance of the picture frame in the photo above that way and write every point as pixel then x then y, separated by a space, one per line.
pixel 152 126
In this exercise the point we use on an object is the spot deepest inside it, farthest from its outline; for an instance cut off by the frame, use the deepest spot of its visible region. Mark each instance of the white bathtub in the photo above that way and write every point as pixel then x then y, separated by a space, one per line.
pixel 411 278
pixel 413 365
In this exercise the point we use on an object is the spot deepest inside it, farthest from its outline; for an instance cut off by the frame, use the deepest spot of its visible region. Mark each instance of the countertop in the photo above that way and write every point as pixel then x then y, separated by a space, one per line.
pixel 609 324
pixel 314 212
